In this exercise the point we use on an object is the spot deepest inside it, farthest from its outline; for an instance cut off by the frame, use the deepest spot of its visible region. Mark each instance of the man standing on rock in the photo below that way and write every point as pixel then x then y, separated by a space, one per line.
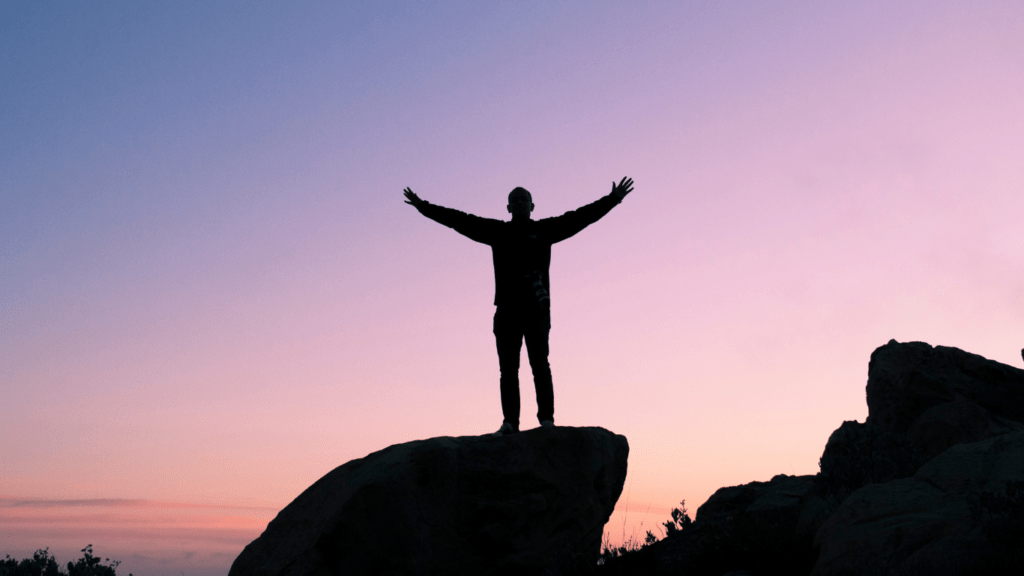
pixel 521 251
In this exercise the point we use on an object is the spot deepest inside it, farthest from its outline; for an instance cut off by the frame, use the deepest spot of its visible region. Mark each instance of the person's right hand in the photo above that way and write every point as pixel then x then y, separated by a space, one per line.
pixel 412 198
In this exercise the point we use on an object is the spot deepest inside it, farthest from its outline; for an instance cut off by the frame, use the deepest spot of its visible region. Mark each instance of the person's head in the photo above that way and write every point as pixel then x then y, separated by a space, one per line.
pixel 520 202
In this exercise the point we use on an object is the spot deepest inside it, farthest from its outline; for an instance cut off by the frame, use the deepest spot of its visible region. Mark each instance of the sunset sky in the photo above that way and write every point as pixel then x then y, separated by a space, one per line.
pixel 212 293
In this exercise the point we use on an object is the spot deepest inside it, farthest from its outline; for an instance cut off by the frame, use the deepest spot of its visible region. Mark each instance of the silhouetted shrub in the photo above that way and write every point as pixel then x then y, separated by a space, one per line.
pixel 43 564
pixel 679 522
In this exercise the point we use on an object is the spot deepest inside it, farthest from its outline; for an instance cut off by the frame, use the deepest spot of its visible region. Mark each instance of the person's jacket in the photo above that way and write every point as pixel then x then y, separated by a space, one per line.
pixel 522 246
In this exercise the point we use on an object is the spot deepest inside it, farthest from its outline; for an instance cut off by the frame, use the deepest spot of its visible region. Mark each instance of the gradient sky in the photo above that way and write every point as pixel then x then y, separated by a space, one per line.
pixel 212 294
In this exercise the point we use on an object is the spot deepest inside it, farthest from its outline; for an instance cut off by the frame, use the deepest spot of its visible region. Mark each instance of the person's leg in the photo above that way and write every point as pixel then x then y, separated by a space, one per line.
pixel 508 335
pixel 537 349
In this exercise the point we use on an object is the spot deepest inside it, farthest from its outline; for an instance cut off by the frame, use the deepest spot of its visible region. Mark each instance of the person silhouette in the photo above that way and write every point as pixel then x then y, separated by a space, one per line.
pixel 521 252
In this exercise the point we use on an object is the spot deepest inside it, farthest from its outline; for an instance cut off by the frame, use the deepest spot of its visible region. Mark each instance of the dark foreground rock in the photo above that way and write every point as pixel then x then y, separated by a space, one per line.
pixel 961 513
pixel 931 483
pixel 529 503
pixel 857 454
pixel 763 527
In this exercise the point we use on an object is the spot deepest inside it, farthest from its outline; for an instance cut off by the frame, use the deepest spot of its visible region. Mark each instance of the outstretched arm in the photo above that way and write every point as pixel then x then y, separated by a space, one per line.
pixel 568 224
pixel 473 227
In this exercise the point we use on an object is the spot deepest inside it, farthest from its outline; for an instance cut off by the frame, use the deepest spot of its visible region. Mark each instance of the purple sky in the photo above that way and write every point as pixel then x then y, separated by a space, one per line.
pixel 211 292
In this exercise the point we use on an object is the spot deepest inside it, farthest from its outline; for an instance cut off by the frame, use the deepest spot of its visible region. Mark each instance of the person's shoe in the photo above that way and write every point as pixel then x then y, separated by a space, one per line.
pixel 547 423
pixel 506 429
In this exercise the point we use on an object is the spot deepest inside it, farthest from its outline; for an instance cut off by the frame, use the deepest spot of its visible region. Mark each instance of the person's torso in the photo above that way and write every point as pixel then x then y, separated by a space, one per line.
pixel 522 257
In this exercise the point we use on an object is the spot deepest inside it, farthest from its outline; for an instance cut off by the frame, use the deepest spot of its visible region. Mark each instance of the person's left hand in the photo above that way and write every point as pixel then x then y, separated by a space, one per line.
pixel 622 188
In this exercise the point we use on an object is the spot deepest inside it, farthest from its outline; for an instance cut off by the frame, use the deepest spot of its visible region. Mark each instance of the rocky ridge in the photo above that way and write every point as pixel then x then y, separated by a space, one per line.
pixel 932 483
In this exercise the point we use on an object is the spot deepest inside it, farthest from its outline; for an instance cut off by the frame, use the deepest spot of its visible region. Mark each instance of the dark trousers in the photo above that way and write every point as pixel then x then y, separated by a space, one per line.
pixel 511 326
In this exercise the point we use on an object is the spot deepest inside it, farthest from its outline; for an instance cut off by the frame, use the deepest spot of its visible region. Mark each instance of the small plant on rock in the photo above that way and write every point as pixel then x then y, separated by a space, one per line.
pixel 680 520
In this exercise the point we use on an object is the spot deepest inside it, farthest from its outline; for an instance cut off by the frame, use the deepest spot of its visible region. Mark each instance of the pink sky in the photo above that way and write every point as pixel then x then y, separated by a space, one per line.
pixel 211 293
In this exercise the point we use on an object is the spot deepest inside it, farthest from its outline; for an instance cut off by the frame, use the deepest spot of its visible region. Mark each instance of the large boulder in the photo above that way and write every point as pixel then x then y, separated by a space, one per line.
pixel 921 401
pixel 906 380
pixel 527 503
pixel 961 513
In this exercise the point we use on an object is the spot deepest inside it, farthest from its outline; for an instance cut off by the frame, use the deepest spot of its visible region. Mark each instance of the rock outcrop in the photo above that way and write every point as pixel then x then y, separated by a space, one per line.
pixel 942 396
pixel 529 503
pixel 921 401
pixel 911 479
pixel 857 454
pixel 931 483
pixel 765 526
pixel 961 513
